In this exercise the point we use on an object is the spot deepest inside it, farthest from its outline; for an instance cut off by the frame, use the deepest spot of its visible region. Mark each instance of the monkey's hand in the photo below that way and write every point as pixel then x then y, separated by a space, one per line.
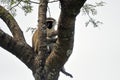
pixel 54 33
pixel 49 40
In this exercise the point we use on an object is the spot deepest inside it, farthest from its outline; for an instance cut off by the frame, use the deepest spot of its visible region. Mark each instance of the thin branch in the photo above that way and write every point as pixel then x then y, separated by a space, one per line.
pixel 30 29
pixel 91 19
pixel 95 23
pixel 53 1
pixel 91 9
pixel 15 5
pixel 34 2
pixel 48 2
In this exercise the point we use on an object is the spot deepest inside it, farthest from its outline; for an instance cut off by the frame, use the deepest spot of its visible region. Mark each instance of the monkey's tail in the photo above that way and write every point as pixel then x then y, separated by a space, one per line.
pixel 66 73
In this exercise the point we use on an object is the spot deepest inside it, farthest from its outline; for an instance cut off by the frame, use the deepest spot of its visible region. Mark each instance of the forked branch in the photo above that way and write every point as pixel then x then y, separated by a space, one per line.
pixel 12 24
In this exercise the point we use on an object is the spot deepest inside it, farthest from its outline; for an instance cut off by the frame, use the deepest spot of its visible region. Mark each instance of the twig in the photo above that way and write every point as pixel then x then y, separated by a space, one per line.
pixel 53 1
pixel 91 19
pixel 15 5
pixel 48 2
pixel 34 2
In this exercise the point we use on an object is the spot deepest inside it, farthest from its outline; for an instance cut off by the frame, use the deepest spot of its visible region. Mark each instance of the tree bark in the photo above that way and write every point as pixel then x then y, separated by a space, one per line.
pixel 12 24
pixel 40 73
pixel 21 50
pixel 64 45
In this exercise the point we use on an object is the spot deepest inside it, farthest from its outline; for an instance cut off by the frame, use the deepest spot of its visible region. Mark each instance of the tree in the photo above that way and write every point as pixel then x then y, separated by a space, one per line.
pixel 43 67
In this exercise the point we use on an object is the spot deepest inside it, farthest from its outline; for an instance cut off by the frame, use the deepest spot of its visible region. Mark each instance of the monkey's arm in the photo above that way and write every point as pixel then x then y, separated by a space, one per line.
pixel 35 41
pixel 54 33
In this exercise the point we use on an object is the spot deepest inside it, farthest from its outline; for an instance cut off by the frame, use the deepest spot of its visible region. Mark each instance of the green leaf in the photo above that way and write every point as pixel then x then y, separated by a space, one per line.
pixel 12 2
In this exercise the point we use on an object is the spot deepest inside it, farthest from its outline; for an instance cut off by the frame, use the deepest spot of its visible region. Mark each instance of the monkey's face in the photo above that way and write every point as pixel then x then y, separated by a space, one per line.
pixel 50 22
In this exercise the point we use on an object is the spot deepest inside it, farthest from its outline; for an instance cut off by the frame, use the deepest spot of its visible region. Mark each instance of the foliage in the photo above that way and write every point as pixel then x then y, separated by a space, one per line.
pixel 90 10
pixel 25 5
pixel 11 5
pixel 31 29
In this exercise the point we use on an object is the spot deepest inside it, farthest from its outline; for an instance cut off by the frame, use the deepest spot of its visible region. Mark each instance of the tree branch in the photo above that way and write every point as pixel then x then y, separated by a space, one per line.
pixel 67 6
pixel 53 1
pixel 64 44
pixel 16 5
pixel 12 24
pixel 40 73
pixel 48 2
pixel 34 2
pixel 21 50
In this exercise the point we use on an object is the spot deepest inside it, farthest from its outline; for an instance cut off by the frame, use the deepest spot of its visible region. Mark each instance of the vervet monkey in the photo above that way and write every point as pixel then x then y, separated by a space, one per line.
pixel 51 37
pixel 50 23
pixel 51 33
